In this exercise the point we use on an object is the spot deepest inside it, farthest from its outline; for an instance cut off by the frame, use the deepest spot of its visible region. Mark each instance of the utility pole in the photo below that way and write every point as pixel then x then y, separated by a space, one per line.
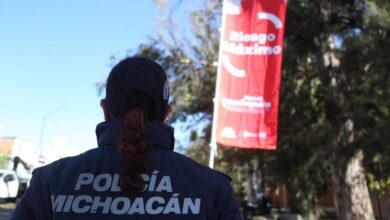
pixel 44 119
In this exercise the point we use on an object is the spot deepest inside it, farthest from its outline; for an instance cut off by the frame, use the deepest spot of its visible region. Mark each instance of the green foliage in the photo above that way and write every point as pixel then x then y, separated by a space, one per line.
pixel 4 161
pixel 332 100
pixel 334 93
pixel 378 184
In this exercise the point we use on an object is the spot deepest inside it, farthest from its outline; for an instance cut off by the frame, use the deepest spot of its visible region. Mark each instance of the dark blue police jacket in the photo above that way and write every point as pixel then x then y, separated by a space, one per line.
pixel 87 186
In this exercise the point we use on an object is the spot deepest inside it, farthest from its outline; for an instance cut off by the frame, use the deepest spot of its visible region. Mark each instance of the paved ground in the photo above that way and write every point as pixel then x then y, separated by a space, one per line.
pixel 6 210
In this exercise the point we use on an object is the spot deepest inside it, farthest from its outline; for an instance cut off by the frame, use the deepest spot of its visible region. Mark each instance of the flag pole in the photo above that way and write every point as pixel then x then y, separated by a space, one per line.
pixel 213 141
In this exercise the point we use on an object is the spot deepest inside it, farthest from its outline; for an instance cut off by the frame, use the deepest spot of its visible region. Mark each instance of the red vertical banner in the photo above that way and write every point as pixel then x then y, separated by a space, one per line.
pixel 249 73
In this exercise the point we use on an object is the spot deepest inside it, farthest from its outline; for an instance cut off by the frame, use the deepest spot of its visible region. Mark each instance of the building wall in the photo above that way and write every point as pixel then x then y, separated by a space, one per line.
pixel 380 201
pixel 6 146
pixel 12 147
pixel 26 151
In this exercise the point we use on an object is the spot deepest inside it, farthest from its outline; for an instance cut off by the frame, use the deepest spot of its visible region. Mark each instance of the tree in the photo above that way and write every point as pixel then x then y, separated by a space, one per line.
pixel 327 62
pixel 334 107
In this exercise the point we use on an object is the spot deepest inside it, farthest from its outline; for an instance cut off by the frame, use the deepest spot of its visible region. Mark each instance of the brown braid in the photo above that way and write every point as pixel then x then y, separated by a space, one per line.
pixel 132 148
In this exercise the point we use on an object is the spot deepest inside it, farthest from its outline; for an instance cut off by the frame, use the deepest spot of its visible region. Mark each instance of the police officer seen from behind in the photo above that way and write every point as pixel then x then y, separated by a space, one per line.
pixel 134 172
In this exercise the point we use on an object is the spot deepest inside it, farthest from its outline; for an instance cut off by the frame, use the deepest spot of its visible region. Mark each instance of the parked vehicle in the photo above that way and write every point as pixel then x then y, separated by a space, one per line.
pixel 260 207
pixel 10 185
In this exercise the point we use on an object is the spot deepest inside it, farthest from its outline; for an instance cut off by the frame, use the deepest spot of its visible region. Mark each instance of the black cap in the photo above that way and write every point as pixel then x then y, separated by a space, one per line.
pixel 137 82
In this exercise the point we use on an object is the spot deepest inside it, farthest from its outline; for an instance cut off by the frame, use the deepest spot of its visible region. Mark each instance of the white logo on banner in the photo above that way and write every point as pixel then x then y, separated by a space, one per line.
pixel 232 7
pixel 271 17
pixel 247 134
pixel 229 67
pixel 235 45
pixel 251 104
pixel 228 132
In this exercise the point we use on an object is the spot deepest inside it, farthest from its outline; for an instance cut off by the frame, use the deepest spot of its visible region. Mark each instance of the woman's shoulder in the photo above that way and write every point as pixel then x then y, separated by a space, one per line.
pixel 183 164
pixel 85 160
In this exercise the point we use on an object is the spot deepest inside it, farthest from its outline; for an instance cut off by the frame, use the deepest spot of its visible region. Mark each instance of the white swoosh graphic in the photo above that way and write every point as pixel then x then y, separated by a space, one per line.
pixel 229 67
pixel 271 17
pixel 230 8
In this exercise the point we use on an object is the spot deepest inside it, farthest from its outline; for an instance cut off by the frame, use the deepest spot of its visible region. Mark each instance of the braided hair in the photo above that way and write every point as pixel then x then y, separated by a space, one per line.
pixel 137 93
pixel 133 145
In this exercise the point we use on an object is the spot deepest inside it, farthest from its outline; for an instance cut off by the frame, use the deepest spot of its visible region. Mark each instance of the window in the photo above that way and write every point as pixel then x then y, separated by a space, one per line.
pixel 9 178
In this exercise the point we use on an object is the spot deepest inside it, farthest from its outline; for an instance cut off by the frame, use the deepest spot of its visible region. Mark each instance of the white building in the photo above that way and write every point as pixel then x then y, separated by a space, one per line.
pixel 11 148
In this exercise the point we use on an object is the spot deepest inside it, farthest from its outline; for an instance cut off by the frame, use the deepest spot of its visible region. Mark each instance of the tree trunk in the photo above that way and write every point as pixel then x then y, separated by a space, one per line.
pixel 251 187
pixel 351 192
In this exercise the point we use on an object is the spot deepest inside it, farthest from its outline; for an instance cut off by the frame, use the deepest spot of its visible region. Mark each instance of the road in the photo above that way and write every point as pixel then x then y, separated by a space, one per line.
pixel 6 210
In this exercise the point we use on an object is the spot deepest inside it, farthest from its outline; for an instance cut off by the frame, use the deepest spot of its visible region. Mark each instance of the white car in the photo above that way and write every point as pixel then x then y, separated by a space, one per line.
pixel 9 184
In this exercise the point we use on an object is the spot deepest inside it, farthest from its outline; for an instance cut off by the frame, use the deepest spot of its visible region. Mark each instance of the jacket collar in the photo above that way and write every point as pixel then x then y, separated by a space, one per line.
pixel 158 135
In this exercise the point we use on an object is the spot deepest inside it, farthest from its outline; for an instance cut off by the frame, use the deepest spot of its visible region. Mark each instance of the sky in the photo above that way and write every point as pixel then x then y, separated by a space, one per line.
pixel 51 55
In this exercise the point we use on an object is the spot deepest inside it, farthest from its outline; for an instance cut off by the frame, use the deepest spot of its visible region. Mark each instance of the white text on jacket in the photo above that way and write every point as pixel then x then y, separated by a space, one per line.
pixel 120 205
